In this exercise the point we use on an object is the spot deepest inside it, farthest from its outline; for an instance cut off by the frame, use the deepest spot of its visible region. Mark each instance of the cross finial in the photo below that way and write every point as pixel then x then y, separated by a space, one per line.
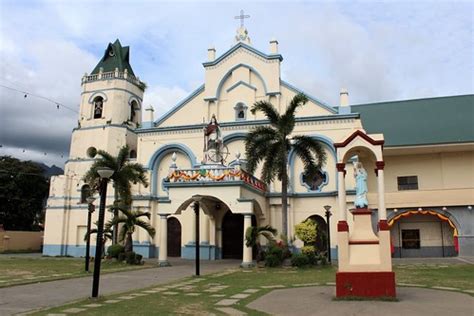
pixel 241 17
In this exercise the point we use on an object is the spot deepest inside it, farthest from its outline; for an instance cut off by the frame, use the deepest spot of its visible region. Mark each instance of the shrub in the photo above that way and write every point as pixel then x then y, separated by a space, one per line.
pixel 115 250
pixel 299 260
pixel 272 260
pixel 133 258
pixel 308 250
pixel 307 231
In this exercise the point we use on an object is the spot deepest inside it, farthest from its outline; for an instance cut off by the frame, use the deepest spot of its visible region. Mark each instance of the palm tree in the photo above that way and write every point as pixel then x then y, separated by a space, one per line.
pixel 272 144
pixel 107 235
pixel 125 173
pixel 130 220
pixel 252 237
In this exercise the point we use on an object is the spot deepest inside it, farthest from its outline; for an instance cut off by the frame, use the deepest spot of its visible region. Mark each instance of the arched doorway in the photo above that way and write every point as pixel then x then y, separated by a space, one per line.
pixel 421 233
pixel 321 243
pixel 174 237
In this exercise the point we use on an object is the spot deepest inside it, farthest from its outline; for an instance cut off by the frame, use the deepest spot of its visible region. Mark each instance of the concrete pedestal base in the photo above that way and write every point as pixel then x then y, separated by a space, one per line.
pixel 365 284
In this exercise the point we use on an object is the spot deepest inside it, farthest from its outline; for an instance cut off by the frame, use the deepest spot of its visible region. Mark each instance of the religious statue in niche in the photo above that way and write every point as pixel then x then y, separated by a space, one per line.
pixel 360 176
pixel 214 149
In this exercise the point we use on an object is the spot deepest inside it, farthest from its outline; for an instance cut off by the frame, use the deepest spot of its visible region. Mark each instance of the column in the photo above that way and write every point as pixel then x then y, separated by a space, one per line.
pixel 212 231
pixel 381 190
pixel 205 230
pixel 193 228
pixel 341 173
pixel 247 251
pixel 163 252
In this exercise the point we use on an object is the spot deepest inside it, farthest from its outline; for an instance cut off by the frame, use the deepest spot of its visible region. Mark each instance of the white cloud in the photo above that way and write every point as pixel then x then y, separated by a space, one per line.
pixel 163 98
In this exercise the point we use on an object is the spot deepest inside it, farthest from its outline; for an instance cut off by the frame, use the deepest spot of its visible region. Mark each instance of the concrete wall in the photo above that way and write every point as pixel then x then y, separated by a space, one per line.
pixel 20 240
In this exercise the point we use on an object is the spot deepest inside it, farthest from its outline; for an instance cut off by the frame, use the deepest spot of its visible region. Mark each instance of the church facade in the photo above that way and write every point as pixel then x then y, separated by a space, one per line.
pixel 195 153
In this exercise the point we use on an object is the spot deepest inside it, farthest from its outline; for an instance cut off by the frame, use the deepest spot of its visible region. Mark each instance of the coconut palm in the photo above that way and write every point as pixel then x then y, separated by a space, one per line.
pixel 107 234
pixel 252 237
pixel 271 145
pixel 129 220
pixel 125 173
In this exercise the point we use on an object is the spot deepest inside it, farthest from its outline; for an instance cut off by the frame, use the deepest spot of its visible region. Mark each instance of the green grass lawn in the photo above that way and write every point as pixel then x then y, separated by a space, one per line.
pixel 15 270
pixel 163 303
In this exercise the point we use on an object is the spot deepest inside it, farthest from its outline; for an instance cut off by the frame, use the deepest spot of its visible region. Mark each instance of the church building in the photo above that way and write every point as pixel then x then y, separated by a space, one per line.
pixel 420 184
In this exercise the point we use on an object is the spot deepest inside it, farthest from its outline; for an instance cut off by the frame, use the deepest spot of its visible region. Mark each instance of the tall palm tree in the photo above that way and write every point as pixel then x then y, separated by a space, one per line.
pixel 272 144
pixel 130 220
pixel 125 173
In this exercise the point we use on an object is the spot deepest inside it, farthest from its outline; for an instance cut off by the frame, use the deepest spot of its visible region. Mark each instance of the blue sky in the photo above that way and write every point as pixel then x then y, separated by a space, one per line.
pixel 385 50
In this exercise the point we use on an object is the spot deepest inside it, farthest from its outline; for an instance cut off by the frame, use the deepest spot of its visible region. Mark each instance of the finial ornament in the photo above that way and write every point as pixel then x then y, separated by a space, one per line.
pixel 242 33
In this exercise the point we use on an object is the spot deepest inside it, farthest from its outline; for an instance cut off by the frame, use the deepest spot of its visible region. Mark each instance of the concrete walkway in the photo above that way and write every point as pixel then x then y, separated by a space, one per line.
pixel 319 301
pixel 23 298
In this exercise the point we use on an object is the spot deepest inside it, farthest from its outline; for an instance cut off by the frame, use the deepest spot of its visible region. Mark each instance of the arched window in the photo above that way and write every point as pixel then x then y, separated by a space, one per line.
pixel 133 154
pixel 134 109
pixel 98 107
pixel 85 193
pixel 240 112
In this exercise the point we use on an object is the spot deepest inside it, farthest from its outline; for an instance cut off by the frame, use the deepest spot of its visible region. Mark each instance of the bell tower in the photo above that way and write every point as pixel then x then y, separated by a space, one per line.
pixel 111 106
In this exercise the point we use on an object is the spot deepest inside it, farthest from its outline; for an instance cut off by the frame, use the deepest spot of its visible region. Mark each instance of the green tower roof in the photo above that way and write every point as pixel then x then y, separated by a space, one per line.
pixel 115 56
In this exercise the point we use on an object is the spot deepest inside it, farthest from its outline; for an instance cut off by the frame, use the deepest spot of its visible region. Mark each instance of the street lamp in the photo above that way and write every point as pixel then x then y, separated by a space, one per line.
pixel 328 215
pixel 104 174
pixel 90 209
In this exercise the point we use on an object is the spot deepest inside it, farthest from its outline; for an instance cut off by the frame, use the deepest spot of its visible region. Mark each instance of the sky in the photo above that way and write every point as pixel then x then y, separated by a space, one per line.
pixel 377 50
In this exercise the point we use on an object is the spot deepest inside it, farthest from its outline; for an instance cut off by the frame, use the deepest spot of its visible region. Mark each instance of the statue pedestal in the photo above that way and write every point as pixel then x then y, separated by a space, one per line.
pixel 365 263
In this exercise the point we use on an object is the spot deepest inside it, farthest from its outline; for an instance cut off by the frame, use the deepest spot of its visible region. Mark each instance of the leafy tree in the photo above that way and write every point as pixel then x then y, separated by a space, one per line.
pixel 307 231
pixel 23 190
pixel 252 237
pixel 271 145
pixel 125 173
pixel 130 220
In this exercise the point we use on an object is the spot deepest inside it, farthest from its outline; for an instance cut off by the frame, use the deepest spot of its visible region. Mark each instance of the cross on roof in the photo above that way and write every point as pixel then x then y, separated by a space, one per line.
pixel 241 17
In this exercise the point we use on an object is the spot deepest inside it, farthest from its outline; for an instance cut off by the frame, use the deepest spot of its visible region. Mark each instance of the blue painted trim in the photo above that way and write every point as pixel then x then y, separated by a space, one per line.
pixel 206 251
pixel 146 250
pixel 97 94
pixel 69 207
pixel 103 127
pixel 66 250
pixel 243 45
pixel 111 89
pixel 291 156
pixel 234 137
pixel 235 85
pixel 313 99
pixel 309 194
pixel 249 123
pixel 229 73
pixel 158 156
pixel 180 105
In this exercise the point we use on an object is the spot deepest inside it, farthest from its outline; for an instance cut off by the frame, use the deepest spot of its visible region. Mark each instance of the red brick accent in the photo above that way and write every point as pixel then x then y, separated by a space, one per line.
pixel 362 135
pixel 342 226
pixel 363 242
pixel 341 167
pixel 383 225
pixel 380 165
pixel 361 211
pixel 365 284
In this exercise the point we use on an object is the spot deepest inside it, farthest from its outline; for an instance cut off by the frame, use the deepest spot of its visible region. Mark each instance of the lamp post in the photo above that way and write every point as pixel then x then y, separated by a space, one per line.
pixel 90 210
pixel 328 215
pixel 104 174
pixel 196 212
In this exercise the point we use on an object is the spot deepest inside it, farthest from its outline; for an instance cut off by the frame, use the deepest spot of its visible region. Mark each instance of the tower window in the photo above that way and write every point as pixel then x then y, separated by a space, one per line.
pixel 134 108
pixel 85 193
pixel 315 182
pixel 240 112
pixel 98 107
pixel 133 154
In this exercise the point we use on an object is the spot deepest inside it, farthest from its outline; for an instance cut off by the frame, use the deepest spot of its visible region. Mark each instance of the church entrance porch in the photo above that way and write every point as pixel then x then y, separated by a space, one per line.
pixel 417 234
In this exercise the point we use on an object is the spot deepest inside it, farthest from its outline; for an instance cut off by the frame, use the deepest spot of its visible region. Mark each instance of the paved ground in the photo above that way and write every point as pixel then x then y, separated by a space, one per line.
pixel 319 301
pixel 22 298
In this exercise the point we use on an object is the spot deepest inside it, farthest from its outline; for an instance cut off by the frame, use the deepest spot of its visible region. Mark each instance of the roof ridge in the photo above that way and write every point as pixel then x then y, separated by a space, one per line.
pixel 417 99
